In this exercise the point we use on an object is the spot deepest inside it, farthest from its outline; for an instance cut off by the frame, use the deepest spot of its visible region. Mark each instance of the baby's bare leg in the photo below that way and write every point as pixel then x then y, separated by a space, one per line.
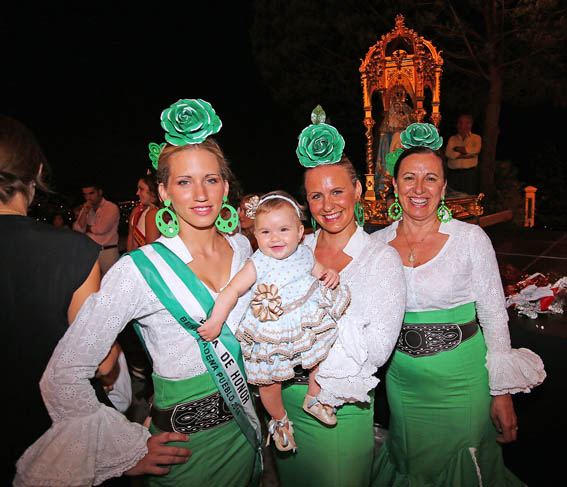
pixel 271 396
pixel 314 389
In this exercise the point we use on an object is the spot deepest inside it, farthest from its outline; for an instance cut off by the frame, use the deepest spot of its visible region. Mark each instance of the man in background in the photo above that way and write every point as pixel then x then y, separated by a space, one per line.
pixel 462 157
pixel 99 219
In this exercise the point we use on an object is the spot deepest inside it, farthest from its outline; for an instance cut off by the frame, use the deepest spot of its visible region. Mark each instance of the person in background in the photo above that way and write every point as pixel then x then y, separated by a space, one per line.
pixel 46 275
pixel 462 157
pixel 142 228
pixel 59 221
pixel 99 219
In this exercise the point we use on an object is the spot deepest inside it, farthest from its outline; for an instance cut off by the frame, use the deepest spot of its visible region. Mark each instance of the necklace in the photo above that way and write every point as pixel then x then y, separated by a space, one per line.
pixel 12 212
pixel 411 256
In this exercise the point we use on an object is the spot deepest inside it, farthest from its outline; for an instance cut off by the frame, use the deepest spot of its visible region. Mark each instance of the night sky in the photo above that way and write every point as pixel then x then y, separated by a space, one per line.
pixel 91 81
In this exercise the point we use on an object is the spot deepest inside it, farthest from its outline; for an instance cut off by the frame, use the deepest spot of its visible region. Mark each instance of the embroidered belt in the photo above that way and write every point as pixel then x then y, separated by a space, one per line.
pixel 426 339
pixel 301 376
pixel 193 416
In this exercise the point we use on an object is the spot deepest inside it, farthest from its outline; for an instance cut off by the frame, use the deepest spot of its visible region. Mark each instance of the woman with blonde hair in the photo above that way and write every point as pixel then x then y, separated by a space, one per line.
pixel 168 287
pixel 342 455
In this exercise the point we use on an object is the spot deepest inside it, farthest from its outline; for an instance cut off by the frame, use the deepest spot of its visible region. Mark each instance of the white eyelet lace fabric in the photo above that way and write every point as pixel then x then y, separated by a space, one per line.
pixel 89 442
pixel 369 329
pixel 464 271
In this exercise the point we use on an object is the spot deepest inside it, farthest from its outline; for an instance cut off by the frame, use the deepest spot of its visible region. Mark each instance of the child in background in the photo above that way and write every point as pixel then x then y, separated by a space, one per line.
pixel 292 316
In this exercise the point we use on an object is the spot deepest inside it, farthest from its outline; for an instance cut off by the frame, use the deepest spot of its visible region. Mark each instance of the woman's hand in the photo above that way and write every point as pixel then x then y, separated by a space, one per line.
pixel 330 278
pixel 160 456
pixel 504 418
pixel 209 330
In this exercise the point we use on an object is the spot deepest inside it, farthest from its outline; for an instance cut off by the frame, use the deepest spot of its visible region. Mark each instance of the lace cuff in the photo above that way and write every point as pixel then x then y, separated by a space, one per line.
pixel 83 451
pixel 345 376
pixel 517 370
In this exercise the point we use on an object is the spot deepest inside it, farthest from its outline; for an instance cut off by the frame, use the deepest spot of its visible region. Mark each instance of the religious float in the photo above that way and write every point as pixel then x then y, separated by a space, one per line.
pixel 401 84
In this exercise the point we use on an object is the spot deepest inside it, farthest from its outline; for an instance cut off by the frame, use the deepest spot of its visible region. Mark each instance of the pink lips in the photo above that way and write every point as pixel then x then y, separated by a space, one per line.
pixel 202 210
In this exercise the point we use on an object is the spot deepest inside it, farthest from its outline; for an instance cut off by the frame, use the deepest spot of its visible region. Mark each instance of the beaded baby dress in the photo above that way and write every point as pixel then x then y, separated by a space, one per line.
pixel 291 320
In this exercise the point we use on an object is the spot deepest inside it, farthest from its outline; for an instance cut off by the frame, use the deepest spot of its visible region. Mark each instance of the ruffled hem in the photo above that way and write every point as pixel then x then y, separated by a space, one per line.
pixel 266 363
pixel 464 469
pixel 518 370
pixel 336 392
pixel 83 451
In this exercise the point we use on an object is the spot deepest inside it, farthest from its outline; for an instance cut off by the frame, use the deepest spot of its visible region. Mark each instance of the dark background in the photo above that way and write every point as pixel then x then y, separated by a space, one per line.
pixel 91 81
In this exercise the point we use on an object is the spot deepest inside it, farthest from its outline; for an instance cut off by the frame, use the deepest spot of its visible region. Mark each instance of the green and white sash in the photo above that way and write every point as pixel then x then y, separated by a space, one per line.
pixel 190 303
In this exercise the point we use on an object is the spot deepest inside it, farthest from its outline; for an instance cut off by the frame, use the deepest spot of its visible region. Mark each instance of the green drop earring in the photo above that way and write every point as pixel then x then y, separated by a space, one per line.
pixel 229 225
pixel 443 212
pixel 395 210
pixel 314 224
pixel 359 214
pixel 170 229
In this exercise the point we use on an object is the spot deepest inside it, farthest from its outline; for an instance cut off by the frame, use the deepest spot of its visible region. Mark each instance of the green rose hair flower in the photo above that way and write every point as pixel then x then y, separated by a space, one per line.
pixel 189 122
pixel 319 143
pixel 421 134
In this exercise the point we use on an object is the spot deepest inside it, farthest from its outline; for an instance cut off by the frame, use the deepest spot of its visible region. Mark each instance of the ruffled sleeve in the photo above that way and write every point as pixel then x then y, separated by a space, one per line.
pixel 88 442
pixel 509 370
pixel 369 329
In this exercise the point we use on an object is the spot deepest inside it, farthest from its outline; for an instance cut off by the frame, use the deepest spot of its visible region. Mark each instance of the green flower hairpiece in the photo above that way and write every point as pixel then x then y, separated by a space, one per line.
pixel 319 143
pixel 421 134
pixel 415 135
pixel 155 150
pixel 189 122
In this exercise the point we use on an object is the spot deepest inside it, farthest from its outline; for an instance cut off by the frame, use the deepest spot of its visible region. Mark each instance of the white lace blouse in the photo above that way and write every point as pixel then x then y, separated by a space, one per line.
pixel 465 271
pixel 89 442
pixel 369 329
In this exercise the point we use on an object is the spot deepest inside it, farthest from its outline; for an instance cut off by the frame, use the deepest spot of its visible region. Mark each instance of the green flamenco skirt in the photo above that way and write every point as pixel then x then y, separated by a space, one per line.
pixel 441 433
pixel 221 455
pixel 326 456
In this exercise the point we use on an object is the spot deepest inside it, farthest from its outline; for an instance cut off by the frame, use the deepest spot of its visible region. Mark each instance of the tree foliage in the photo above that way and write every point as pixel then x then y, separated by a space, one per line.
pixel 494 51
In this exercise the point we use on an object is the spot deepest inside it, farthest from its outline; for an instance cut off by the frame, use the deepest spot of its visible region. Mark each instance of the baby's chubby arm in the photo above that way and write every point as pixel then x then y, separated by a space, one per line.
pixel 226 300
pixel 330 277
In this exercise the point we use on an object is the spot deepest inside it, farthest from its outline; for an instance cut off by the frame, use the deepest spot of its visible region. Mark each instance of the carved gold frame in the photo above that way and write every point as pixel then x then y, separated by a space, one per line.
pixel 417 68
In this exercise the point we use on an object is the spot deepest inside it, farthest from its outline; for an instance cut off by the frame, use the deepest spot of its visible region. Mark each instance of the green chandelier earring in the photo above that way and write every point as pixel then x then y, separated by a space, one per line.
pixel 229 225
pixel 443 212
pixel 395 210
pixel 359 214
pixel 170 229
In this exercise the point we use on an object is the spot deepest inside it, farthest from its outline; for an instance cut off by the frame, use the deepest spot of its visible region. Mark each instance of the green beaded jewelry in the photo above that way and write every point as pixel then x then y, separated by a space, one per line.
pixel 170 229
pixel 443 212
pixel 395 210
pixel 359 214
pixel 227 226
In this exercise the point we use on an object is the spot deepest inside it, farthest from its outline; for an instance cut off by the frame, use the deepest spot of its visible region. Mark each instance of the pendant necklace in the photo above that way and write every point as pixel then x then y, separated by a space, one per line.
pixel 411 256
